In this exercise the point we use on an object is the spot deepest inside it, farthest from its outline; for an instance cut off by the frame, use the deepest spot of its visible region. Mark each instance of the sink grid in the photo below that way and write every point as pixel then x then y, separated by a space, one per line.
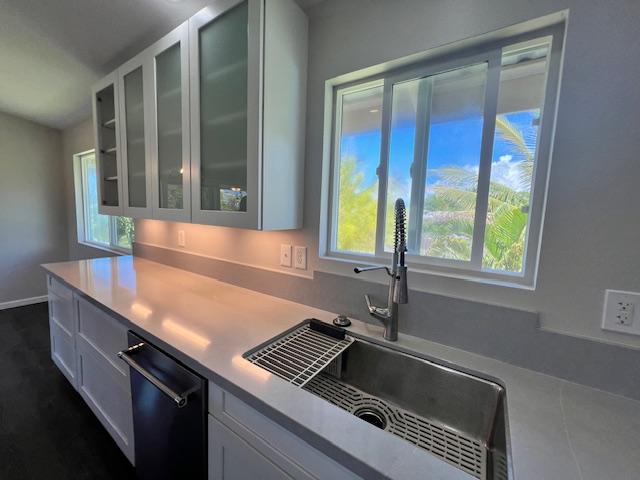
pixel 466 453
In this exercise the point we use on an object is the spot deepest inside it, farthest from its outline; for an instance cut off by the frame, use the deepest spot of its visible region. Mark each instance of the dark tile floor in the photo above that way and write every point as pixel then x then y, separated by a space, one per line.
pixel 46 429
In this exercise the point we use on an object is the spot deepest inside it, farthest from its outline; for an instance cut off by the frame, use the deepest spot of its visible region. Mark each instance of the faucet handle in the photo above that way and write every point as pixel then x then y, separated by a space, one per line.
pixel 368 269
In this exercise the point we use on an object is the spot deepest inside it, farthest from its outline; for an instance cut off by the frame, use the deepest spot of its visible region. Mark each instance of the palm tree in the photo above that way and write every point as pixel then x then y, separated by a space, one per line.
pixel 450 208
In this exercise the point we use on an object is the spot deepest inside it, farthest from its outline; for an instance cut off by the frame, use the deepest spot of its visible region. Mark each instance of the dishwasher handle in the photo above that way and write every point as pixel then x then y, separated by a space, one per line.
pixel 179 398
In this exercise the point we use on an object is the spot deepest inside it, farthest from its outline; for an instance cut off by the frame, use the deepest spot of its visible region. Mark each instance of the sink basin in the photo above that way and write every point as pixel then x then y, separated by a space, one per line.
pixel 455 415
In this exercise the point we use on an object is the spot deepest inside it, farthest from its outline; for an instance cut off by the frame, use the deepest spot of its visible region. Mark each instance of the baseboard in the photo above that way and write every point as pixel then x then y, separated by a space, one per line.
pixel 22 302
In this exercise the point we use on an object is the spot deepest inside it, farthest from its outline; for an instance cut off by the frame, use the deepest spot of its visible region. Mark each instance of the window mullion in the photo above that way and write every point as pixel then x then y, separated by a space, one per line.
pixel 112 231
pixel 383 168
pixel 419 166
pixel 486 154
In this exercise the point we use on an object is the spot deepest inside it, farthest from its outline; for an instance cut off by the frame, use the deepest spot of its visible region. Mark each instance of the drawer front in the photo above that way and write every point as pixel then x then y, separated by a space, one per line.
pixel 63 352
pixel 233 458
pixel 59 288
pixel 102 388
pixel 251 425
pixel 105 334
pixel 61 312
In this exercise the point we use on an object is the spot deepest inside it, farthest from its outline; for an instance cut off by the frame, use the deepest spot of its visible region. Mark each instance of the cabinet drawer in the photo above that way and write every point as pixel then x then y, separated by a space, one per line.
pixel 231 457
pixel 101 386
pixel 59 288
pixel 105 334
pixel 61 311
pixel 63 352
pixel 252 426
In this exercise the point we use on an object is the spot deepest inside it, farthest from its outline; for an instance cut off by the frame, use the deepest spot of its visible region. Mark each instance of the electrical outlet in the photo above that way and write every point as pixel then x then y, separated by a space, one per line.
pixel 300 261
pixel 181 238
pixel 285 255
pixel 621 312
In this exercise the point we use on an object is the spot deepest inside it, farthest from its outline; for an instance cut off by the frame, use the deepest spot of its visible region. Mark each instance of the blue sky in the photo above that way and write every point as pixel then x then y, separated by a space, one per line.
pixel 454 143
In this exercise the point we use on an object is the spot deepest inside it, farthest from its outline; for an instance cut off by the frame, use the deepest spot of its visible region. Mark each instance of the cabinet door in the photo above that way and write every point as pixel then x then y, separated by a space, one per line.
pixel 169 127
pixel 134 136
pixel 106 124
pixel 232 458
pixel 225 42
pixel 62 328
pixel 107 392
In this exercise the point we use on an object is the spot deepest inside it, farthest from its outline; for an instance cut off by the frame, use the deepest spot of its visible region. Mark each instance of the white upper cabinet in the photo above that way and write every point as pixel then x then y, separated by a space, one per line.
pixel 135 155
pixel 211 120
pixel 169 126
pixel 106 122
pixel 248 85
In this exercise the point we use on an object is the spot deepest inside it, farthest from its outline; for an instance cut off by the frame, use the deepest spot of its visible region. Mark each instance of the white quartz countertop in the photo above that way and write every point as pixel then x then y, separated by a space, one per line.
pixel 559 430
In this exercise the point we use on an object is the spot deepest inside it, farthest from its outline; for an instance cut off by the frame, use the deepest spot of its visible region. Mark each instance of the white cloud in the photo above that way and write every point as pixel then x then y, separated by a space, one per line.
pixel 507 172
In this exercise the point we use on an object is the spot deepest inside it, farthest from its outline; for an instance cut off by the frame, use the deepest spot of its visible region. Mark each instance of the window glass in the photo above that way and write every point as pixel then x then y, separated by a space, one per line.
pixel 437 145
pixel 359 156
pixel 104 230
pixel 520 99
pixel 96 225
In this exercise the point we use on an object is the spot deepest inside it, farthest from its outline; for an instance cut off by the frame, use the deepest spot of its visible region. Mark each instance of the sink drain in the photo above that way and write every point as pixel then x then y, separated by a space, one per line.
pixel 372 416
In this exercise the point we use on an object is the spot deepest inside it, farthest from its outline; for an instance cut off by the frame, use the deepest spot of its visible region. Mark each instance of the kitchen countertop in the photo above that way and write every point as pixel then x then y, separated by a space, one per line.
pixel 559 430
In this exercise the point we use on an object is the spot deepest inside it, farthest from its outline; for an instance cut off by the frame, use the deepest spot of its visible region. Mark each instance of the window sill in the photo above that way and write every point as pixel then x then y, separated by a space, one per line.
pixel 104 248
pixel 335 264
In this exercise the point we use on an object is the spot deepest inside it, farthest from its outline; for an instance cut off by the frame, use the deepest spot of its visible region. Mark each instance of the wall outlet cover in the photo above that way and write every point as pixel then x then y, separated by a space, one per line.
pixel 285 255
pixel 300 257
pixel 181 238
pixel 621 312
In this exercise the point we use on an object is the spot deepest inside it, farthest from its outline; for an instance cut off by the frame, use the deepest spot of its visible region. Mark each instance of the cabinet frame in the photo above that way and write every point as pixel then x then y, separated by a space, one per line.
pixel 139 61
pixel 111 79
pixel 252 218
pixel 179 35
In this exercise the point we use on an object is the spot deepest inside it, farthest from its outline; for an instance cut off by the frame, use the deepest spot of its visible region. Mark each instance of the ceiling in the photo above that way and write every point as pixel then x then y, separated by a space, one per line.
pixel 53 51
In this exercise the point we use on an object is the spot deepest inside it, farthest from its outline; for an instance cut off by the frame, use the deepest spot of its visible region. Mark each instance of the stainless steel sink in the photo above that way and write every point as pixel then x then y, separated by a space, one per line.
pixel 455 415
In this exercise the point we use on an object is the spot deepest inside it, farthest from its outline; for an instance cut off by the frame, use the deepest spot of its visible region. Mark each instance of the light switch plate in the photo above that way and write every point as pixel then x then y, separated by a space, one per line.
pixel 621 312
pixel 181 238
pixel 285 255
pixel 300 259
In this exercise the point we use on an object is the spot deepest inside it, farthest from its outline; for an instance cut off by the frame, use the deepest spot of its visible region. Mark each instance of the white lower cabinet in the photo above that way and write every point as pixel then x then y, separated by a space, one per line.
pixel 84 343
pixel 233 458
pixel 62 329
pixel 101 386
pixel 243 443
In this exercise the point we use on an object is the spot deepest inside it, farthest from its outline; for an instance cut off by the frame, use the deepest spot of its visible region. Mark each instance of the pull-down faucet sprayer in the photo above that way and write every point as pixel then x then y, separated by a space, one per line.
pixel 398 290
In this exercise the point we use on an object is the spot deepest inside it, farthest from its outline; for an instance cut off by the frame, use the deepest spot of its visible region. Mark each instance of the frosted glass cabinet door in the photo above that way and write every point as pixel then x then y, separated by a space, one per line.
pixel 170 126
pixel 136 165
pixel 225 61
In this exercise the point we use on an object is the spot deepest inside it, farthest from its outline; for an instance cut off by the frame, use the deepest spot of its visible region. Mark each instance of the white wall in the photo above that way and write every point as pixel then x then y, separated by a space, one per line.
pixel 32 211
pixel 592 230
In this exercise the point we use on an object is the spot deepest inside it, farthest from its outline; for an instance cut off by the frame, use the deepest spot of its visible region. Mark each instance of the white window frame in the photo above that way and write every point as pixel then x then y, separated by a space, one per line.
pixel 489 52
pixel 81 201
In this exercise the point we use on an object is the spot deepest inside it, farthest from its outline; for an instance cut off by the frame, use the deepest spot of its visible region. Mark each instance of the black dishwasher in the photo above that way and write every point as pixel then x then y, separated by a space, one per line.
pixel 169 414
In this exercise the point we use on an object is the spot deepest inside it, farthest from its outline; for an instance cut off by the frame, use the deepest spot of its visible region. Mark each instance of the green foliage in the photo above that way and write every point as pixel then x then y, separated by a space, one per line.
pixel 357 209
pixel 124 230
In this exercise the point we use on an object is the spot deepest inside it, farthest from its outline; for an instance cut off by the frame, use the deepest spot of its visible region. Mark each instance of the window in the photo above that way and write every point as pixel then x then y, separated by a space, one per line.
pixel 105 231
pixel 463 142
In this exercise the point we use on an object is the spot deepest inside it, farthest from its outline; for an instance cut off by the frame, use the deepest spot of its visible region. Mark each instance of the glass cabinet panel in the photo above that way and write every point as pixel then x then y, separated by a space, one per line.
pixel 223 52
pixel 134 116
pixel 169 128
